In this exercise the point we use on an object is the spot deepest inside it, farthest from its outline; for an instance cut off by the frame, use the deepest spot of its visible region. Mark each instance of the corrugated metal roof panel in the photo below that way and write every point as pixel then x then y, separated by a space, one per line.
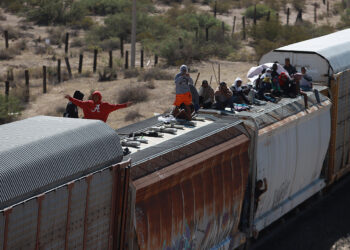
pixel 40 153
pixel 335 48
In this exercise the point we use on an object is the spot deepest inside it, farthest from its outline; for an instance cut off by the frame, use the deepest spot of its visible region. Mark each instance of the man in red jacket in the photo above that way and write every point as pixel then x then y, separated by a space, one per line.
pixel 95 109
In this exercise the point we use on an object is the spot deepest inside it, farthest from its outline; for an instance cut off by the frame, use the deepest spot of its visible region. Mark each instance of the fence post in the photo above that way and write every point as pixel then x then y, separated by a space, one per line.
pixel 26 75
pixel 80 63
pixel 110 59
pixel 155 59
pixel 215 5
pixel 66 43
pixel 223 28
pixel 59 70
pixel 126 59
pixel 328 8
pixel 68 67
pixel 121 46
pixel 6 35
pixel 196 32
pixel 254 14
pixel 7 90
pixel 315 12
pixel 288 12
pixel 233 25
pixel 243 24
pixel 141 59
pixel 268 16
pixel 95 60
pixel 207 34
pixel 44 80
pixel 181 44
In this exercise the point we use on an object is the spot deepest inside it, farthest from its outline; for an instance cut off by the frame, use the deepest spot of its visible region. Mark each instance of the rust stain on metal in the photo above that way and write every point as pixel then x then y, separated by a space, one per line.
pixel 7 213
pixel 194 203
pixel 40 201
pixel 70 187
pixel 88 180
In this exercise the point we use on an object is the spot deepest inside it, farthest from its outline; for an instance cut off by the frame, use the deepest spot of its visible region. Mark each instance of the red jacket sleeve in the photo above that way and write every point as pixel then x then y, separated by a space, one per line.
pixel 112 107
pixel 79 103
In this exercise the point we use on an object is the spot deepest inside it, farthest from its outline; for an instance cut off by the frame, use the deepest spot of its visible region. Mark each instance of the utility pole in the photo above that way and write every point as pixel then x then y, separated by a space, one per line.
pixel 133 35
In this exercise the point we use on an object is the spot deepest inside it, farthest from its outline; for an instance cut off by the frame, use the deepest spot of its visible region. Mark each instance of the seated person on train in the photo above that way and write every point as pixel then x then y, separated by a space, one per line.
pixel 238 94
pixel 206 95
pixel 223 97
pixel 305 81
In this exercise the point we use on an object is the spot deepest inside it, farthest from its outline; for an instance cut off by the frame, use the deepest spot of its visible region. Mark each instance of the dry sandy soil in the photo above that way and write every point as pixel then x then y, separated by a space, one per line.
pixel 160 98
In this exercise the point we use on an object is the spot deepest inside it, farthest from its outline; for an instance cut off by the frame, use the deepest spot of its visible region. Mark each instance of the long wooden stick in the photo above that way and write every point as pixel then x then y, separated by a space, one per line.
pixel 214 74
pixel 195 83
pixel 211 78
pixel 219 72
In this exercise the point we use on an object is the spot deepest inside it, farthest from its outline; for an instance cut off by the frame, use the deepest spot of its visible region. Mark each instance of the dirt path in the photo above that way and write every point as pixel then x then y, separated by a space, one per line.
pixel 324 226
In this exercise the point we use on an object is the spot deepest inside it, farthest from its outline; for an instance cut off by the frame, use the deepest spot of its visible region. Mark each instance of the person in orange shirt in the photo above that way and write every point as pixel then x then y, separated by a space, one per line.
pixel 183 94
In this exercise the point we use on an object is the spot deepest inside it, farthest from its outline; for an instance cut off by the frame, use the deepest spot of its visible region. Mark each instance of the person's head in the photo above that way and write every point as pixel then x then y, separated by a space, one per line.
pixel 287 61
pixel 303 70
pixel 96 97
pixel 238 82
pixel 259 184
pixel 205 84
pixel 184 69
pixel 283 76
pixel 78 95
pixel 222 85
pixel 274 67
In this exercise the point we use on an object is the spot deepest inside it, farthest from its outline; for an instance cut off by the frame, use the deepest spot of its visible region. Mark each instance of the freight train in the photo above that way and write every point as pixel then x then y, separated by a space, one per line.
pixel 71 184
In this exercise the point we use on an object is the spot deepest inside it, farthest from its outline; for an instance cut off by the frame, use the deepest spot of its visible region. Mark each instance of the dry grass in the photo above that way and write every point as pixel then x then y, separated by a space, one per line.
pixel 133 115
pixel 155 74
pixel 131 73
pixel 134 94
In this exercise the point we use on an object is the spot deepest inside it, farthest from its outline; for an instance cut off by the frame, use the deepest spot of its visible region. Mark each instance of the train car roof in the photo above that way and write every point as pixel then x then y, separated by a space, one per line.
pixel 41 153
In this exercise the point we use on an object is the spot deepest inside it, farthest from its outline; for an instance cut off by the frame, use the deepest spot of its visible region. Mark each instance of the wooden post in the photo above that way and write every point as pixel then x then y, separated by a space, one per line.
pixel 288 12
pixel 181 44
pixel 26 75
pixel 234 25
pixel 95 60
pixel 219 72
pixel 126 59
pixel 324 2
pixel 223 28
pixel 328 8
pixel 68 67
pixel 80 63
pixel 66 43
pixel 44 80
pixel 7 90
pixel 277 16
pixel 110 59
pixel 207 34
pixel 268 16
pixel 254 14
pixel 243 25
pixel 59 70
pixel 121 46
pixel 6 35
pixel 300 15
pixel 315 12
pixel 196 30
pixel 215 5
pixel 155 59
pixel 141 59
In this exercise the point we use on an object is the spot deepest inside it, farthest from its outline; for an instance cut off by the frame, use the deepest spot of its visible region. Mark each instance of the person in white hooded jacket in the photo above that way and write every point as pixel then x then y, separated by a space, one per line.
pixel 237 92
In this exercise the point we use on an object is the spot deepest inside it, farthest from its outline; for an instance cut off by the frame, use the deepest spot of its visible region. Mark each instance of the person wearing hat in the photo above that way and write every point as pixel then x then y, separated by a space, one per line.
pixel 72 109
pixel 206 95
pixel 183 93
pixel 223 97
pixel 237 92
pixel 265 86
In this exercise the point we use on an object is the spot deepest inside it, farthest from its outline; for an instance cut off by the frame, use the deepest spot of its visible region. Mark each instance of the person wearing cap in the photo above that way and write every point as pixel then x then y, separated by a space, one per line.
pixel 206 95
pixel 72 109
pixel 183 93
pixel 265 86
pixel 223 97
pixel 237 92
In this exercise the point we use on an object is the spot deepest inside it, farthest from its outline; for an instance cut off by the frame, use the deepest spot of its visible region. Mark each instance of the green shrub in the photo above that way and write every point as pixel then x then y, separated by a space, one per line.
pixel 105 7
pixel 155 74
pixel 131 73
pixel 9 109
pixel 261 11
pixel 110 44
pixel 107 74
pixel 57 35
pixel 222 6
pixel 84 23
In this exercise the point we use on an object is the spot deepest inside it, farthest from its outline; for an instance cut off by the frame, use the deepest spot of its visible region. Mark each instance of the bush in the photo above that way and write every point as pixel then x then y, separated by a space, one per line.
pixel 107 74
pixel 133 94
pixel 9 109
pixel 222 7
pixel 155 74
pixel 105 7
pixel 84 23
pixel 110 44
pixel 10 53
pixel 130 73
pixel 133 115
pixel 57 35
pixel 262 10
pixel 77 42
